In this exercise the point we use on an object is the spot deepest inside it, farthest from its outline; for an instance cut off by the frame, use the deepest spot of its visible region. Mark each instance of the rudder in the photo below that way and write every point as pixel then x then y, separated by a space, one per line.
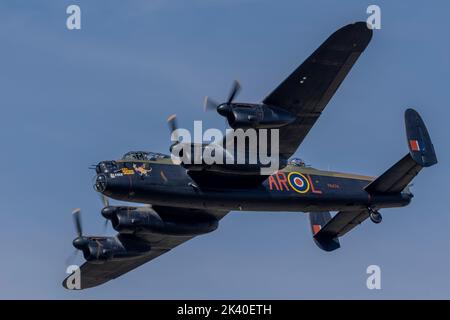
pixel 420 146
pixel 421 154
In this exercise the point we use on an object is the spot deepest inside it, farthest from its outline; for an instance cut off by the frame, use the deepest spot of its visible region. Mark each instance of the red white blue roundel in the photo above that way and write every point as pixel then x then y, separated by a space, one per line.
pixel 298 182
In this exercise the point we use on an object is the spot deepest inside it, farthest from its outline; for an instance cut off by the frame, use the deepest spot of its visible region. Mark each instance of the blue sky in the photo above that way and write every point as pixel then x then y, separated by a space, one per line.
pixel 72 98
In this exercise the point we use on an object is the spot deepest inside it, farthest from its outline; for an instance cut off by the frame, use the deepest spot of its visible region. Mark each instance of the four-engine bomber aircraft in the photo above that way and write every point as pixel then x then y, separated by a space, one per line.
pixel 183 201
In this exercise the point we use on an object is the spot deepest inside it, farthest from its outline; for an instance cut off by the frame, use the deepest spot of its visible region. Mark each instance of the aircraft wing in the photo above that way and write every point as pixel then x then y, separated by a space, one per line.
pixel 307 91
pixel 93 274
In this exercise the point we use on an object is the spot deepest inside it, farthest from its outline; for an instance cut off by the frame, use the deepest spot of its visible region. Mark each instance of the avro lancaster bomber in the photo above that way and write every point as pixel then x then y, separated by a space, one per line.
pixel 180 201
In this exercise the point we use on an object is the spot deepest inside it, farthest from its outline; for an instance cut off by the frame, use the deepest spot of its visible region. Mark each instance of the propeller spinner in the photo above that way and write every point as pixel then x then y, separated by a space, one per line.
pixel 223 108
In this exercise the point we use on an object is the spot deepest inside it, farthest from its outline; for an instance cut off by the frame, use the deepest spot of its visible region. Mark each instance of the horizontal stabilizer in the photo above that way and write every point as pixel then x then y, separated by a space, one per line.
pixel 343 222
pixel 396 178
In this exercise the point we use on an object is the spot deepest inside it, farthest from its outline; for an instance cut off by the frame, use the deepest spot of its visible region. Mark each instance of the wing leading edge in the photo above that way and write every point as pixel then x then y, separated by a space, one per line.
pixel 304 94
pixel 93 274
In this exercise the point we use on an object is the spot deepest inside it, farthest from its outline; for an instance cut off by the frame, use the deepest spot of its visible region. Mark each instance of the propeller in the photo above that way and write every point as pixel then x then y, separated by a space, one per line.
pixel 172 122
pixel 70 259
pixel 234 91
pixel 80 241
pixel 76 214
pixel 105 201
pixel 210 104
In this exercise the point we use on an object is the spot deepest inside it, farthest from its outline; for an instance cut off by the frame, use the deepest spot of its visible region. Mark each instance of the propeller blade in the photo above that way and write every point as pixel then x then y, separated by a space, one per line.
pixel 172 121
pixel 236 87
pixel 105 225
pixel 70 259
pixel 77 221
pixel 209 104
pixel 104 199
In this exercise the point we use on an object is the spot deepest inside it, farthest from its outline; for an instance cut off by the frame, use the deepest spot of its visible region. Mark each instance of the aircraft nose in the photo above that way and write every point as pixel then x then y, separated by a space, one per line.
pixel 100 183
pixel 106 167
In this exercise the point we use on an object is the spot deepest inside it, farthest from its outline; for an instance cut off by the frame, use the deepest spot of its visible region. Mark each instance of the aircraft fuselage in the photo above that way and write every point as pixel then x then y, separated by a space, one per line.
pixel 291 189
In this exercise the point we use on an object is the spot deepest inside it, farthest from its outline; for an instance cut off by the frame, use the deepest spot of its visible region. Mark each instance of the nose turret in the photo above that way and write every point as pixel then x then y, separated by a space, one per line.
pixel 100 183
pixel 106 167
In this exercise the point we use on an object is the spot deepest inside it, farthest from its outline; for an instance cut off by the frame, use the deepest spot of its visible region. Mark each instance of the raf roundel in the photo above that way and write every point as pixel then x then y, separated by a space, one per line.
pixel 298 182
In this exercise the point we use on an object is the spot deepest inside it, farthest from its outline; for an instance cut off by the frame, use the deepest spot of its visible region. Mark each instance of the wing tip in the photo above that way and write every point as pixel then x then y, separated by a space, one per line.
pixel 358 34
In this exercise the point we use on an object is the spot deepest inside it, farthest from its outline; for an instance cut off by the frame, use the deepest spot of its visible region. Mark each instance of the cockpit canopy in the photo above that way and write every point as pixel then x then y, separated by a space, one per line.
pixel 297 162
pixel 144 156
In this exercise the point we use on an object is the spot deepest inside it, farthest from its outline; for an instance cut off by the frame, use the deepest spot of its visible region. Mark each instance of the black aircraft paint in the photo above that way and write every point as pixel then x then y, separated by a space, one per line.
pixel 325 191
pixel 181 201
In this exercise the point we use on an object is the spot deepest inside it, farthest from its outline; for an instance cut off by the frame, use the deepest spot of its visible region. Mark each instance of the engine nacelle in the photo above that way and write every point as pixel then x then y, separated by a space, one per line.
pixel 128 220
pixel 232 161
pixel 187 154
pixel 257 116
pixel 101 249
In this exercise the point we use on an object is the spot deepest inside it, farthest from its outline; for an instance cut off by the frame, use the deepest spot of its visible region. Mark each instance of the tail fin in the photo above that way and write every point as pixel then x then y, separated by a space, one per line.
pixel 421 154
pixel 324 241
pixel 420 147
